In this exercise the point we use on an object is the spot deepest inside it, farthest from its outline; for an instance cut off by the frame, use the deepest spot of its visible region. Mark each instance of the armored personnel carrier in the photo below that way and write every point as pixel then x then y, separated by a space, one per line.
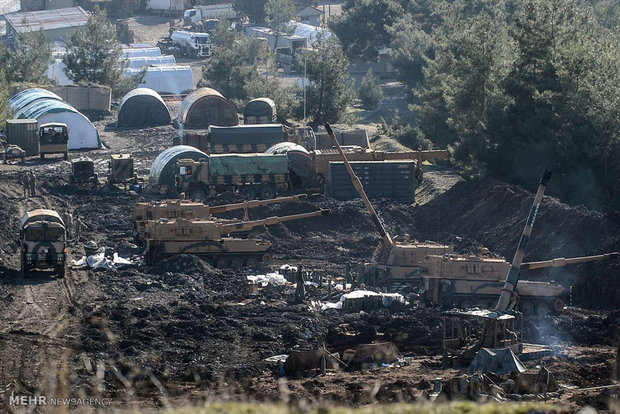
pixel 211 240
pixel 190 210
pixel 450 279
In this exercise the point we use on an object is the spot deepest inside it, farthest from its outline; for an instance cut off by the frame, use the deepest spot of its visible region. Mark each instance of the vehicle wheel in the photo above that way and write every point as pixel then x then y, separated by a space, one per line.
pixel 66 156
pixel 61 272
pixel 467 304
pixel 221 263
pixel 267 193
pixel 248 192
pixel 542 309
pixel 251 262
pixel 236 263
pixel 266 258
pixel 527 308
pixel 558 305
pixel 197 194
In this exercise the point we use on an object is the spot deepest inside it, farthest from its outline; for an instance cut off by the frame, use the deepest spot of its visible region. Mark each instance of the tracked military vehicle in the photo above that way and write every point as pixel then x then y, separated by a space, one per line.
pixel 449 279
pixel 190 210
pixel 43 242
pixel 211 240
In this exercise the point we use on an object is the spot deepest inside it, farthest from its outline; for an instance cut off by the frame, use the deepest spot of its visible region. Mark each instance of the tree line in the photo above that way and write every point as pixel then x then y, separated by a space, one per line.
pixel 510 86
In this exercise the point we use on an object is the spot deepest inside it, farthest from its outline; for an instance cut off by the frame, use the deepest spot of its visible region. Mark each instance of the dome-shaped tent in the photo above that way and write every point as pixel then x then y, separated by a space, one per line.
pixel 82 133
pixel 163 172
pixel 204 107
pixel 298 157
pixel 142 107
pixel 260 111
pixel 27 96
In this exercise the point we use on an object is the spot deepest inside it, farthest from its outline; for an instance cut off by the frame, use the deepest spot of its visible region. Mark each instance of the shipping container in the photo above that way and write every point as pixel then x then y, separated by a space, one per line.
pixel 25 134
pixel 381 179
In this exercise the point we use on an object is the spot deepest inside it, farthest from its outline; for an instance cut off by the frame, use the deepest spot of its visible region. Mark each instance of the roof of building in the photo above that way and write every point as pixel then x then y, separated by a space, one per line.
pixel 47 19
pixel 310 11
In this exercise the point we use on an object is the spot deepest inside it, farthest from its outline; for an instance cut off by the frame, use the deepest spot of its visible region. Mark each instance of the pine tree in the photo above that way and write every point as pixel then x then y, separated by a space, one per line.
pixel 278 14
pixel 29 60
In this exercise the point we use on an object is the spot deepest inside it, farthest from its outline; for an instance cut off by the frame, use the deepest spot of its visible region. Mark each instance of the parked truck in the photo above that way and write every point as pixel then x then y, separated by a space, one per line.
pixel 215 11
pixel 43 242
pixel 192 44
pixel 170 7
pixel 54 139
pixel 251 175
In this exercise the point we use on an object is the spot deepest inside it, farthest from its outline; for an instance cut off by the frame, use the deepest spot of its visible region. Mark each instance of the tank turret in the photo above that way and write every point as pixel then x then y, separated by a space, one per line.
pixel 211 239
pixel 191 210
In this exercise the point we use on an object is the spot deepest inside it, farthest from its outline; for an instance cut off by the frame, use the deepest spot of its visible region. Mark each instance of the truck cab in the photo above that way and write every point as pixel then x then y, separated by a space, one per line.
pixel 192 44
pixel 191 16
pixel 83 172
pixel 43 242
pixel 54 139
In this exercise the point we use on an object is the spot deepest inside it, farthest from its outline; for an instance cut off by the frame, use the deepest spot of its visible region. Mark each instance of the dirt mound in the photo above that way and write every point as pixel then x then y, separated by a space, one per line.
pixel 493 214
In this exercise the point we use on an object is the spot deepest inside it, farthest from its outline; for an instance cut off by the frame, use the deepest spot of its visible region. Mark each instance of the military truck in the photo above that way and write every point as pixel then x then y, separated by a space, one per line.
pixel 211 240
pixel 83 173
pixel 43 242
pixel 190 210
pixel 450 279
pixel 53 139
pixel 121 169
pixel 251 175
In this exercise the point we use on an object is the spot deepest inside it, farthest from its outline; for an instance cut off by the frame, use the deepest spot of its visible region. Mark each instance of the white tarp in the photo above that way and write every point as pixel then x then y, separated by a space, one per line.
pixel 141 52
pixel 99 261
pixel 140 62
pixel 166 79
pixel 386 298
pixel 274 279
pixel 56 72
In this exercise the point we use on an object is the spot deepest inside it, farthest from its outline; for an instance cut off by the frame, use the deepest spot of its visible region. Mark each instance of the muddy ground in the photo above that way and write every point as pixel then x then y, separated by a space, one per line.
pixel 183 332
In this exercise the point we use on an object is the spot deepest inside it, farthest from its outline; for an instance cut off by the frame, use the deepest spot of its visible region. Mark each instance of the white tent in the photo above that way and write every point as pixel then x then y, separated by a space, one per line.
pixel 141 52
pixel 140 62
pixel 166 79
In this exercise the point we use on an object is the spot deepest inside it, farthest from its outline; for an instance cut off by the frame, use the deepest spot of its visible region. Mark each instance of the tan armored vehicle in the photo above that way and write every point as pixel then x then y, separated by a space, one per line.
pixel 450 279
pixel 43 242
pixel 190 210
pixel 211 240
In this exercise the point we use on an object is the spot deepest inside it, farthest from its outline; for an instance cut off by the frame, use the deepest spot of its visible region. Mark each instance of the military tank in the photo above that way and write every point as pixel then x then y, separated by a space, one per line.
pixel 450 279
pixel 190 210
pixel 211 240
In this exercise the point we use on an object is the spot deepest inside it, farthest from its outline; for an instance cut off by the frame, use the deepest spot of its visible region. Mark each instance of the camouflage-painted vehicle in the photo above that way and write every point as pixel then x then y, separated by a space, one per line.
pixel 12 151
pixel 211 240
pixel 251 175
pixel 83 173
pixel 43 242
pixel 121 169
pixel 190 210
pixel 450 279
pixel 54 139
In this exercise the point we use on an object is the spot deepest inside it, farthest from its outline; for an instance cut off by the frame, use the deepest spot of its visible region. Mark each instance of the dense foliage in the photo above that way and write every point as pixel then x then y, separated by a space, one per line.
pixel 511 86
pixel 93 52
pixel 370 92
pixel 29 58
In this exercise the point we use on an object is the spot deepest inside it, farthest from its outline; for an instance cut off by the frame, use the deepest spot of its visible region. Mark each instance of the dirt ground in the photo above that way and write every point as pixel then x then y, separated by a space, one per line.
pixel 183 332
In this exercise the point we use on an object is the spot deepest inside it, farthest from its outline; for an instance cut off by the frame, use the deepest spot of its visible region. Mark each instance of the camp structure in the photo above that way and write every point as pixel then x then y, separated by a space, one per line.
pixel 367 355
pixel 142 61
pixel 495 361
pixel 302 361
pixel 141 52
pixel 173 80
pixel 47 107
pixel 260 111
pixel 204 107
pixel 163 171
pixel 142 107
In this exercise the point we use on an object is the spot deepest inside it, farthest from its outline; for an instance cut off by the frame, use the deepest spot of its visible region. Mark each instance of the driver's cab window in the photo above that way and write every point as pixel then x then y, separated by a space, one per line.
pixel 185 170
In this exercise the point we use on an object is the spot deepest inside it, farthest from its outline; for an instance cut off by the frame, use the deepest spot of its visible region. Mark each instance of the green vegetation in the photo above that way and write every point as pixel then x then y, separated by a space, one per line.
pixel 330 90
pixel 421 408
pixel 278 14
pixel 94 52
pixel 252 9
pixel 370 92
pixel 511 86
pixel 29 59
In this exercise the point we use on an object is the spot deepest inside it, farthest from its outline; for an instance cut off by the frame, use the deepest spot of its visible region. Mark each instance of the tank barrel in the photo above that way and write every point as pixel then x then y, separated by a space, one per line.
pixel 360 189
pixel 507 299
pixel 269 221
pixel 255 203
pixel 561 262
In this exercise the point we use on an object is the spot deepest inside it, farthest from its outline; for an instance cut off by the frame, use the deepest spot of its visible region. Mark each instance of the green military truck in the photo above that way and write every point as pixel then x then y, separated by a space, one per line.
pixel 43 242
pixel 251 175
